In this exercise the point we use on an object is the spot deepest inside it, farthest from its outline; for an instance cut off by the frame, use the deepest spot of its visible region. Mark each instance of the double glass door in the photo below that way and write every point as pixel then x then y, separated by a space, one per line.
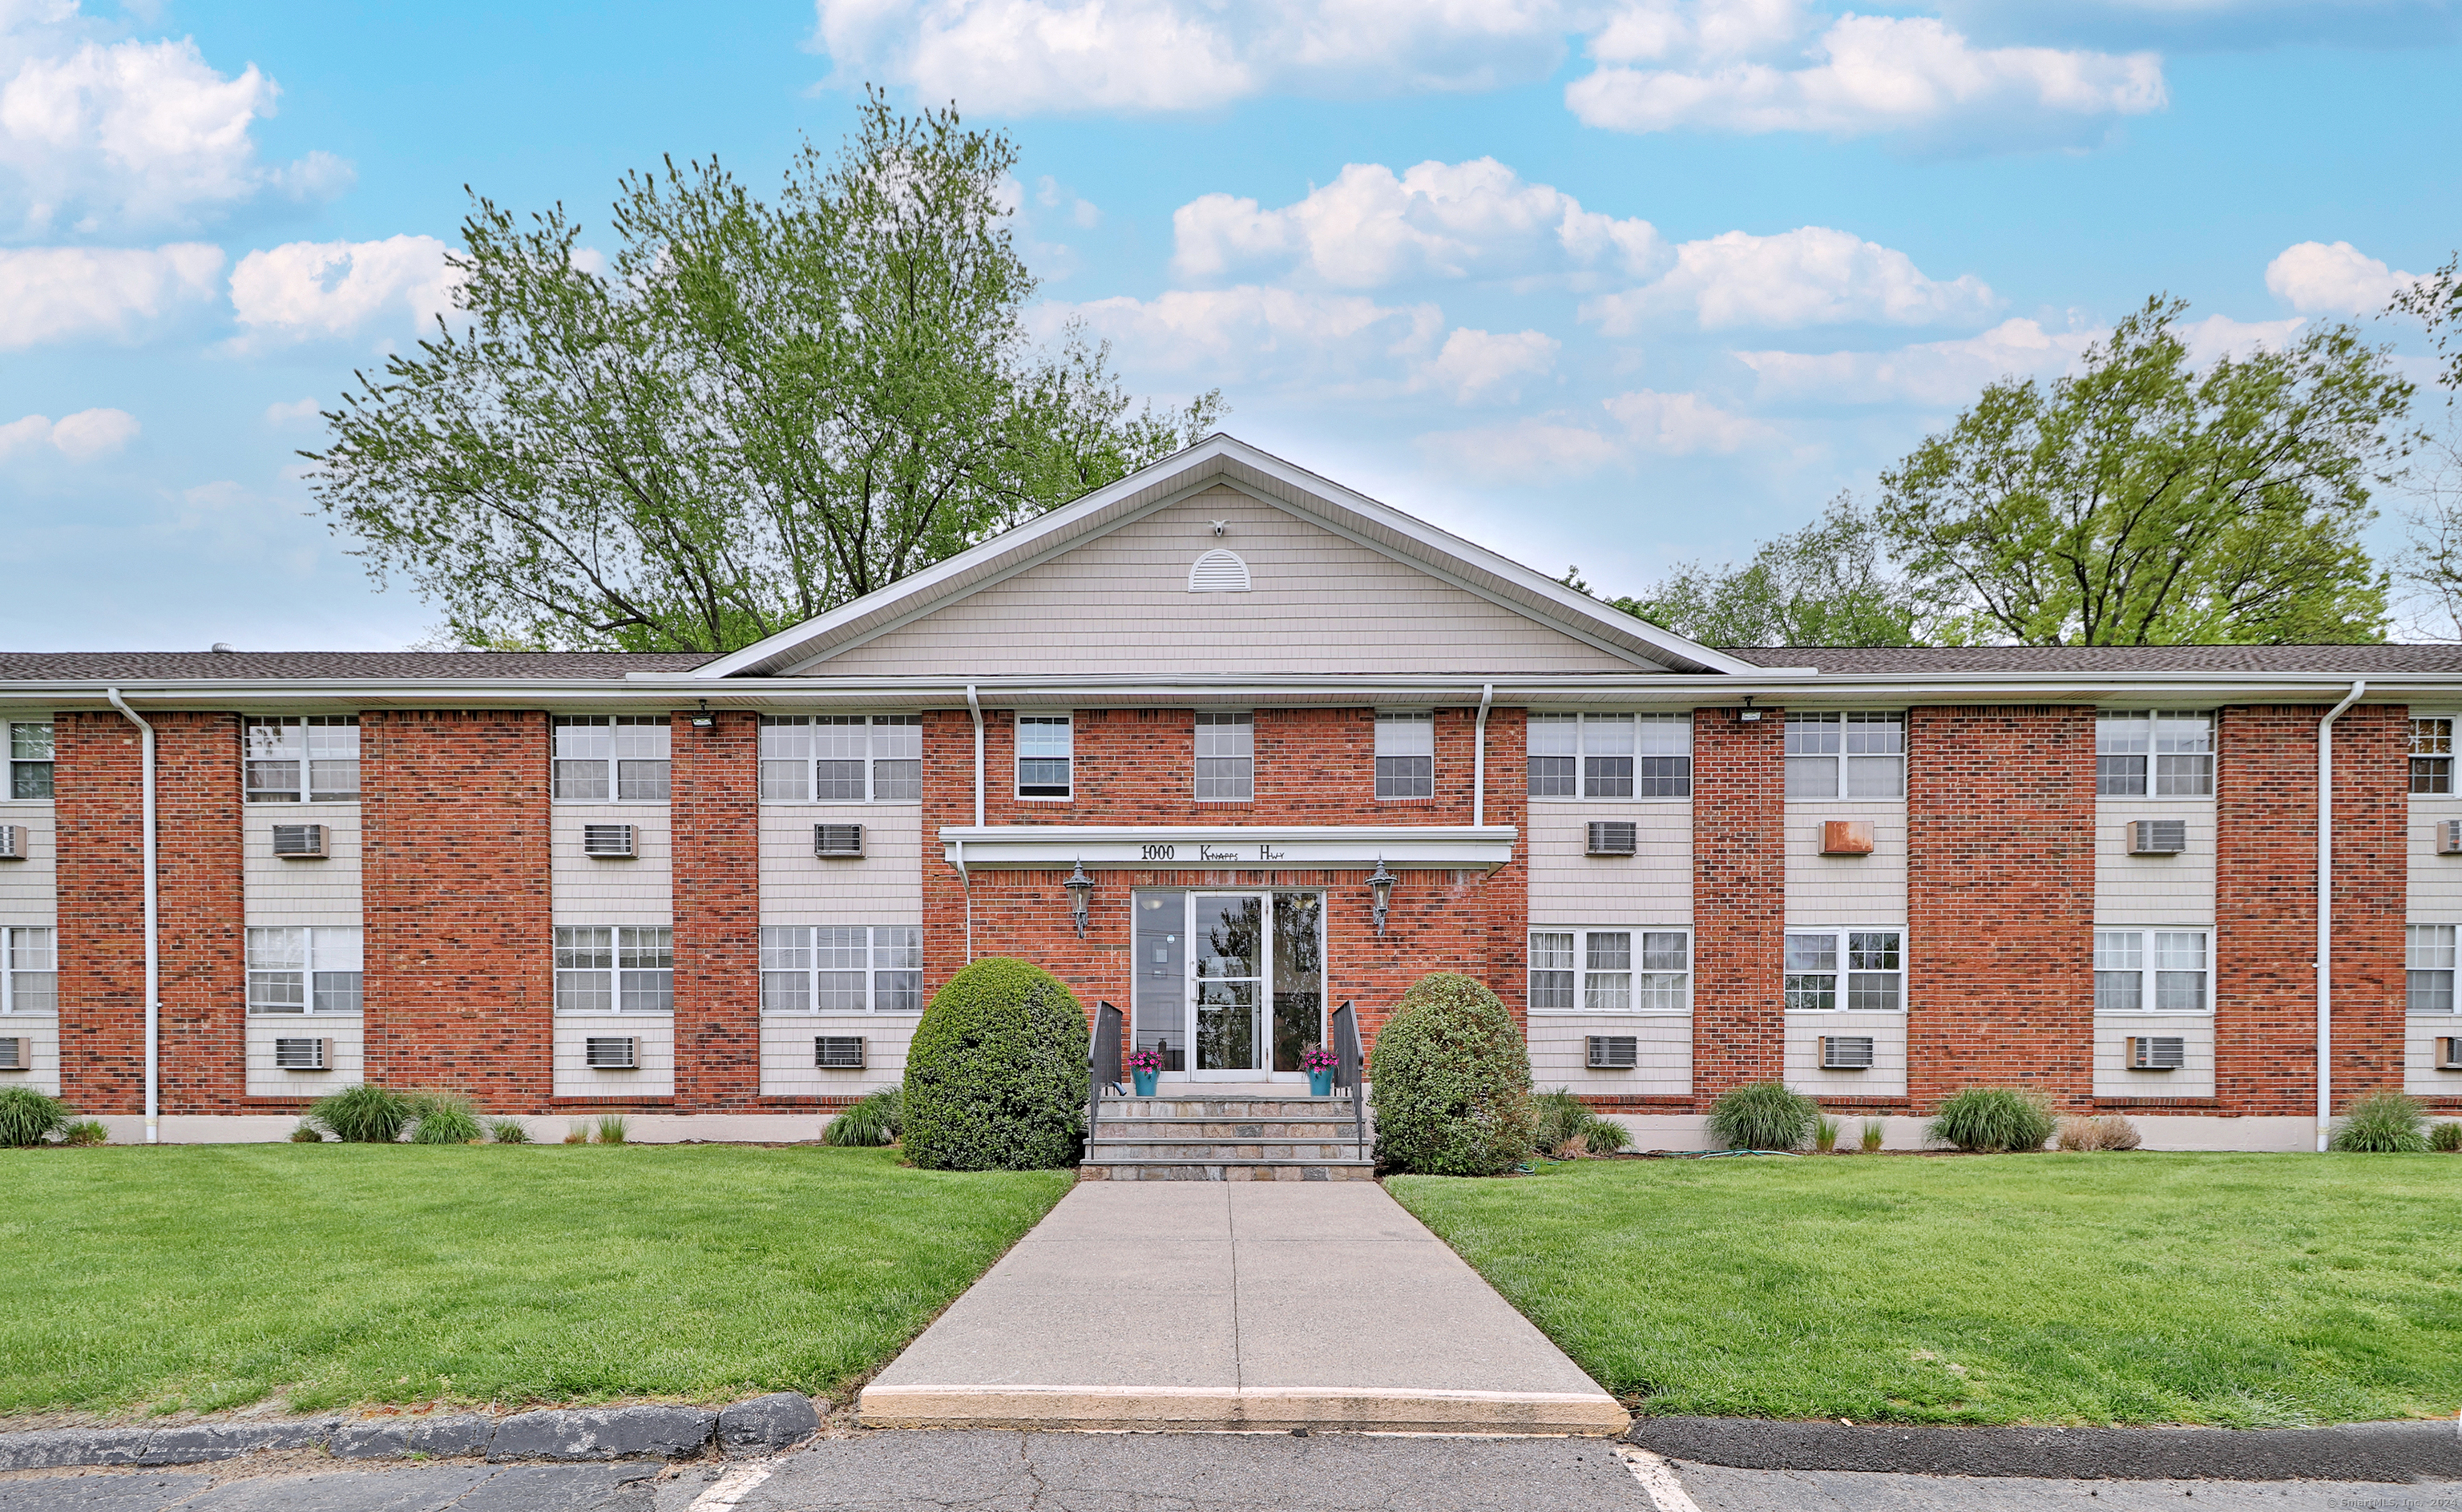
pixel 1229 986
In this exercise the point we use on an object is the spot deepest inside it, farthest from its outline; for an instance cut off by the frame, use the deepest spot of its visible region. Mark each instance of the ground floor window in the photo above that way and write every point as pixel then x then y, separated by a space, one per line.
pixel 1862 970
pixel 299 969
pixel 1633 970
pixel 28 971
pixel 2428 951
pixel 842 968
pixel 2150 970
pixel 615 969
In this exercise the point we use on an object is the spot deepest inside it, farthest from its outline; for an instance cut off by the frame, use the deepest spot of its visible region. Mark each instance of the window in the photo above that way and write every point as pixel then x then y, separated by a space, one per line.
pixel 2150 970
pixel 840 968
pixel 293 760
pixel 303 970
pixel 1597 971
pixel 1846 755
pixel 2432 755
pixel 622 756
pixel 842 758
pixel 2428 951
pixel 627 968
pixel 1405 755
pixel 1611 755
pixel 28 980
pixel 1872 962
pixel 29 746
pixel 1044 752
pixel 1226 757
pixel 2178 745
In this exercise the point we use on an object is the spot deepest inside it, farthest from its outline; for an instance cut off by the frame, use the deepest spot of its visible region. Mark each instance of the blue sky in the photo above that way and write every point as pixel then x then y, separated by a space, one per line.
pixel 1623 283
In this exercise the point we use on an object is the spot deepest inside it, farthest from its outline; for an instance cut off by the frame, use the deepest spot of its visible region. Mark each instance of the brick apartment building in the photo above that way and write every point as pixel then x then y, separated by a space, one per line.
pixel 1293 748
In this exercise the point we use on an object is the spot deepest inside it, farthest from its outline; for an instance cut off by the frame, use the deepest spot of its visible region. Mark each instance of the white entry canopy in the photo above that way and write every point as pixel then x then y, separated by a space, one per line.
pixel 1344 847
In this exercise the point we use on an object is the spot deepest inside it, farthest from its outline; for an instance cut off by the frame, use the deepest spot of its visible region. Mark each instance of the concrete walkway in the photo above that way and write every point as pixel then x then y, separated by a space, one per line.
pixel 1236 1306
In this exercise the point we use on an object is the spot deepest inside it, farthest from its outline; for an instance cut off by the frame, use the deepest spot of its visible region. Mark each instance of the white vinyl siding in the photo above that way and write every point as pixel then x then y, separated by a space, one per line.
pixel 619 758
pixel 28 971
pixel 841 968
pixel 2151 971
pixel 1849 755
pixel 1405 755
pixel 296 759
pixel 1635 970
pixel 603 968
pixel 1610 756
pixel 304 970
pixel 1226 757
pixel 842 758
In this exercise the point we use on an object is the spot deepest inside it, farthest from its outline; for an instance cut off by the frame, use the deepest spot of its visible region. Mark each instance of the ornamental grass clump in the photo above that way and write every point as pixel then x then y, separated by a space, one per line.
pixel 1565 1126
pixel 28 1117
pixel 84 1132
pixel 443 1119
pixel 509 1131
pixel 2381 1123
pixel 996 1075
pixel 612 1129
pixel 2103 1132
pixel 870 1123
pixel 1824 1134
pixel 1992 1120
pixel 1450 1082
pixel 2444 1139
pixel 1762 1115
pixel 1874 1130
pixel 362 1114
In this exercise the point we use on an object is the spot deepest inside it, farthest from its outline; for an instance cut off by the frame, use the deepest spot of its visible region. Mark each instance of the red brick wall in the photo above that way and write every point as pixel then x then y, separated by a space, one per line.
pixel 1738 900
pixel 715 809
pixel 2001 826
pixel 460 989
pixel 95 775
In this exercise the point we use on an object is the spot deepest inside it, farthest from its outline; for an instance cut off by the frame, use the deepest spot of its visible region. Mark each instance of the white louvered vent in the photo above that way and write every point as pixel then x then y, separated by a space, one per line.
pixel 2158 837
pixel 1846 1053
pixel 2449 1052
pixel 837 839
pixel 609 842
pixel 13 842
pixel 1615 1052
pixel 1219 572
pixel 611 1052
pixel 1615 837
pixel 2157 1052
pixel 303 1055
pixel 838 1052
pixel 299 842
pixel 2448 837
pixel 17 1053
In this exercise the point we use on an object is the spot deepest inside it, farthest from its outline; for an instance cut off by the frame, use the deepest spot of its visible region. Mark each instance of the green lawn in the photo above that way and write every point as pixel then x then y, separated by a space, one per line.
pixel 2247 1291
pixel 215 1275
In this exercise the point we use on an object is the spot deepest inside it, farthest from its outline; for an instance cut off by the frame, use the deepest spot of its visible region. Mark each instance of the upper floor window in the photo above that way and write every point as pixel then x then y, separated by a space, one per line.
pixel 1226 757
pixel 1611 970
pixel 28 971
pixel 1405 755
pixel 1860 970
pixel 2168 753
pixel 1846 755
pixel 618 756
pixel 839 968
pixel 1611 755
pixel 29 748
pixel 290 758
pixel 2432 755
pixel 301 970
pixel 1045 754
pixel 2156 970
pixel 842 758
pixel 614 969
pixel 2428 957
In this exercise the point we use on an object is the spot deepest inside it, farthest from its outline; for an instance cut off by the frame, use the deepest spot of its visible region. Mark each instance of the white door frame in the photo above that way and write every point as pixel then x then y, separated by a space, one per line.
pixel 1263 1050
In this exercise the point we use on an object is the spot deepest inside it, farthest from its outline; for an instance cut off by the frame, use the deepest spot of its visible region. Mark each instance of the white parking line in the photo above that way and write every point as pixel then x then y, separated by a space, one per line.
pixel 1657 1478
pixel 738 1483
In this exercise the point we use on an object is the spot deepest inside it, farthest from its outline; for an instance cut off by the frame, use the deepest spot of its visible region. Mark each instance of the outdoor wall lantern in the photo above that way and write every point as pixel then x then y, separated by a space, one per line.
pixel 1081 889
pixel 1380 893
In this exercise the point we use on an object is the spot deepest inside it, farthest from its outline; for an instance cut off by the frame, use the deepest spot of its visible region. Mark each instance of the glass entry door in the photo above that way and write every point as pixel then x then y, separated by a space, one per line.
pixel 1256 982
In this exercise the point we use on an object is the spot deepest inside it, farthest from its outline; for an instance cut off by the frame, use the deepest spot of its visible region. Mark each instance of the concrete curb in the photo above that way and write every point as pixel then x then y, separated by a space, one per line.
pixel 763 1425
pixel 2394 1453
pixel 1209 1409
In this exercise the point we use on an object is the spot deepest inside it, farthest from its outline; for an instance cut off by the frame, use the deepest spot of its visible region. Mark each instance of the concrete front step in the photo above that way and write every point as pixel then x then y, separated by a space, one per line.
pixel 1228 1171
pixel 1216 1152
pixel 1249 1130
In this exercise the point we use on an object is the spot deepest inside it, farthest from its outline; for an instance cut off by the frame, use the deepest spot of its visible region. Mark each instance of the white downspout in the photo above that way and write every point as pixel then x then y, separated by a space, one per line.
pixel 1479 761
pixel 2326 914
pixel 975 708
pixel 153 940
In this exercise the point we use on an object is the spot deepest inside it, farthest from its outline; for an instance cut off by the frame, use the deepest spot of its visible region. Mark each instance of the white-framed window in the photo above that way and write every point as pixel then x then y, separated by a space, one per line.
pixel 841 968
pixel 1406 754
pixel 2150 971
pixel 304 970
pixel 842 758
pixel 1846 755
pixel 291 758
pixel 615 969
pixel 1226 757
pixel 2161 753
pixel 28 750
pixel 1619 970
pixel 622 757
pixel 2432 755
pixel 1046 752
pixel 29 970
pixel 1611 755
pixel 1857 970
pixel 2428 957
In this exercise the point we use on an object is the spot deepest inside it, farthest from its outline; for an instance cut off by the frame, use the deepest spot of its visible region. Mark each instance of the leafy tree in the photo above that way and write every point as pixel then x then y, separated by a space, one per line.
pixel 756 411
pixel 2143 500
pixel 1828 584
pixel 2433 565
pixel 2437 302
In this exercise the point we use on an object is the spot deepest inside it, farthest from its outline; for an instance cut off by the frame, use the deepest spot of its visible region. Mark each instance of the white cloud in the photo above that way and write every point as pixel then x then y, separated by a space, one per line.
pixel 1251 333
pixel 2220 336
pixel 1564 447
pixel 19 434
pixel 82 437
pixel 1810 277
pixel 305 290
pixel 57 294
pixel 1681 425
pixel 1933 372
pixel 293 412
pixel 1371 228
pixel 2314 278
pixel 1475 366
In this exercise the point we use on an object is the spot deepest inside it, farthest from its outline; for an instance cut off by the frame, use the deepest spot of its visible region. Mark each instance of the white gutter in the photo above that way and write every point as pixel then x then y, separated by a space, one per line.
pixel 153 940
pixel 2326 912
pixel 1478 762
pixel 975 708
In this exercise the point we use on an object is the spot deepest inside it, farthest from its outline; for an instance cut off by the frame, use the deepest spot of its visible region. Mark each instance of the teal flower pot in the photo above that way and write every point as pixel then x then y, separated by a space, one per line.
pixel 1321 1084
pixel 1145 1082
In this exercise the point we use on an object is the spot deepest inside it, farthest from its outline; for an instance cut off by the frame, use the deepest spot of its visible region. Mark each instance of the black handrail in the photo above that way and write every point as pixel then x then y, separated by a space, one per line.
pixel 1102 1064
pixel 1345 1073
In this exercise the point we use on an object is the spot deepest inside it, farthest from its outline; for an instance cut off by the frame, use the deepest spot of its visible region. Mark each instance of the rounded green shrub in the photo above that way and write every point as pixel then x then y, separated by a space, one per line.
pixel 996 1075
pixel 362 1114
pixel 28 1117
pixel 870 1123
pixel 1449 1081
pixel 2380 1123
pixel 1993 1121
pixel 1762 1115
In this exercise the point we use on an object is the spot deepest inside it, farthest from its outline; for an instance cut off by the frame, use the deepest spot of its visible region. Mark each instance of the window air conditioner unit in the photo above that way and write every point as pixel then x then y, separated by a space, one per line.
pixel 609 842
pixel 1845 837
pixel 16 1054
pixel 1615 837
pixel 2158 837
pixel 837 839
pixel 299 842
pixel 2157 1052
pixel 1846 1053
pixel 303 1055
pixel 838 1052
pixel 611 1052
pixel 2448 837
pixel 13 842
pixel 1615 1052
pixel 2449 1052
